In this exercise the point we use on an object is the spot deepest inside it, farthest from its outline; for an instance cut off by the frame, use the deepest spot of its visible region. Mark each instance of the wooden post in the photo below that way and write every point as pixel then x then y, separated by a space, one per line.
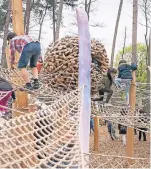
pixel 17 11
pixel 96 133
pixel 18 25
pixel 18 28
pixel 130 132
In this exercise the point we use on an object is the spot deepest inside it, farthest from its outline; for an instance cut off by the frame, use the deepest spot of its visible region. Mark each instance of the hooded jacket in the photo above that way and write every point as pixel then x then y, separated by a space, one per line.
pixel 125 70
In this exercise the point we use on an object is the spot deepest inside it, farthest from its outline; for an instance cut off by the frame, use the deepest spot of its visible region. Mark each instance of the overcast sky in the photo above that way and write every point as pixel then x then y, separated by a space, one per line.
pixel 105 11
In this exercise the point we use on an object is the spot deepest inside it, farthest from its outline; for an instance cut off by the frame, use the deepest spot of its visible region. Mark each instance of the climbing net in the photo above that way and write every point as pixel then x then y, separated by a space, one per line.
pixel 49 137
pixel 112 154
pixel 45 138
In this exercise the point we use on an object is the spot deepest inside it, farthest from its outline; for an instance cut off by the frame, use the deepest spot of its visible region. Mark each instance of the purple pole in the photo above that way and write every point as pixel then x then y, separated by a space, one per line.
pixel 84 78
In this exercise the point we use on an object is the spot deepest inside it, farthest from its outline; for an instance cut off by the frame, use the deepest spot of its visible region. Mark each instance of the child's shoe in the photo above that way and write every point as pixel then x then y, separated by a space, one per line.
pixel 28 86
pixel 36 84
pixel 108 104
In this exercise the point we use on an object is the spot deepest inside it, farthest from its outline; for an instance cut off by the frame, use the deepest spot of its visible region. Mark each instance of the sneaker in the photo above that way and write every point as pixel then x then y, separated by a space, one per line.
pixel 28 86
pixel 36 84
pixel 108 104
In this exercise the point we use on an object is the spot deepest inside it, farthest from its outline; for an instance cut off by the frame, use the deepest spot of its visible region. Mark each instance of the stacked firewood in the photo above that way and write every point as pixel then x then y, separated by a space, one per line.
pixel 60 69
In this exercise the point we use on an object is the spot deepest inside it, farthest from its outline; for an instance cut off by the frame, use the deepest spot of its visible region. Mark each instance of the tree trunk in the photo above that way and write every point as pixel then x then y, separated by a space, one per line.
pixel 86 4
pixel 88 10
pixel 27 16
pixel 87 7
pixel 54 22
pixel 6 29
pixel 115 32
pixel 149 60
pixel 146 38
pixel 59 18
pixel 41 23
pixel 124 44
pixel 134 31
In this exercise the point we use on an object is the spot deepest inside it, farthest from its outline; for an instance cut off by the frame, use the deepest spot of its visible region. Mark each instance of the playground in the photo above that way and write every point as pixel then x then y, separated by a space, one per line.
pixel 50 127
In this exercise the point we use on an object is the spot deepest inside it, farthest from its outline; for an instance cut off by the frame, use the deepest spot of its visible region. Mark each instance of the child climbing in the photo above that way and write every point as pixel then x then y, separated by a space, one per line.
pixel 30 51
pixel 106 85
pixel 91 125
pixel 145 118
pixel 6 90
pixel 123 131
pixel 125 76
pixel 110 128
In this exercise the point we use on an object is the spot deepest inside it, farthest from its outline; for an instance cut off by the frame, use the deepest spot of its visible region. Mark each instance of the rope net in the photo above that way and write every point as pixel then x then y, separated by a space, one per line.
pixel 45 138
pixel 49 136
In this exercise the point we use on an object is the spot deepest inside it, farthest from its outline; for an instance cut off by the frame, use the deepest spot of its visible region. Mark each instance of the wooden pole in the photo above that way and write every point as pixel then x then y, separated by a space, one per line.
pixel 130 132
pixel 96 133
pixel 17 11
pixel 18 24
pixel 22 96
pixel 18 28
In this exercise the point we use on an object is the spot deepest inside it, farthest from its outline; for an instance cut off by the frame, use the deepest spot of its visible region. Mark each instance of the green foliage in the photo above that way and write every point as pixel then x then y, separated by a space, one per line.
pixel 141 73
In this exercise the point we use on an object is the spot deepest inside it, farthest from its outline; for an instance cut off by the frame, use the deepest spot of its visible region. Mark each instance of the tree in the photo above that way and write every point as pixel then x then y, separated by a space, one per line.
pixel 6 28
pixel 141 73
pixel 145 6
pixel 88 5
pixel 40 9
pixel 3 14
pixel 27 16
pixel 115 32
pixel 53 8
pixel 70 3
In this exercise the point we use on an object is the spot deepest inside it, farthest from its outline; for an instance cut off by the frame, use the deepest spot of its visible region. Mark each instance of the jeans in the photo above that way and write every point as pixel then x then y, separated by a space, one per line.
pixel 144 134
pixel 91 129
pixel 109 94
pixel 31 52
pixel 101 93
pixel 127 83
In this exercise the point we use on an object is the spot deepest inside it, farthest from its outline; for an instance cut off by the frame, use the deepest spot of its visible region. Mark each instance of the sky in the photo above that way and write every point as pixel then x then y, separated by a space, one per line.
pixel 104 11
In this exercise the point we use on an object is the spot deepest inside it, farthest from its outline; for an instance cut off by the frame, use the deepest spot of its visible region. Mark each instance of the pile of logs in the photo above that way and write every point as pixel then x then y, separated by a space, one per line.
pixel 60 69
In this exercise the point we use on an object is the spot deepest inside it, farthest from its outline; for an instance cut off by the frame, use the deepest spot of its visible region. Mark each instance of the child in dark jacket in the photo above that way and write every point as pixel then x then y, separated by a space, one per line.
pixel 125 76
pixel 91 125
pixel 106 85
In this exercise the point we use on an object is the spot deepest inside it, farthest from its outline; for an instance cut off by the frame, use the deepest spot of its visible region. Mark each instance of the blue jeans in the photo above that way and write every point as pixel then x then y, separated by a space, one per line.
pixel 127 83
pixel 31 52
